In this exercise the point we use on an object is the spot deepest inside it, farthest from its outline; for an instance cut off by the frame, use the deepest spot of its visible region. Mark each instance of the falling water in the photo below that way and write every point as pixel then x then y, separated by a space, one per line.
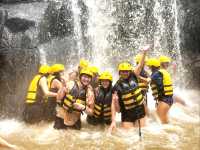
pixel 43 59
pixel 160 31
pixel 116 34
pixel 77 27
pixel 99 28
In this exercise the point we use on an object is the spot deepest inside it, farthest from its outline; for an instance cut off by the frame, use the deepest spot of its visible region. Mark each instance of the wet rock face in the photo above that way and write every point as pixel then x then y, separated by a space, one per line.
pixel 23 28
pixel 190 40
pixel 19 61
pixel 18 24
pixel 18 66
pixel 142 22
pixel 57 22
pixel 17 1
pixel 58 33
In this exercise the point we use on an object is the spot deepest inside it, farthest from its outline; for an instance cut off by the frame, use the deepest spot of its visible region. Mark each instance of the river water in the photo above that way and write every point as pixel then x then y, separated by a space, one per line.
pixel 105 20
pixel 182 133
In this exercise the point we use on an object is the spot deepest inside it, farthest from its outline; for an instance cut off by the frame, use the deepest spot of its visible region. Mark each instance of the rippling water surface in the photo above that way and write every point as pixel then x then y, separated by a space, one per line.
pixel 183 132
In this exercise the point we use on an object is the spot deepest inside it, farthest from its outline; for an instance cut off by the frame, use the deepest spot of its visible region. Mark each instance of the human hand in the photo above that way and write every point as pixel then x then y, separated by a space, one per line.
pixel 79 106
pixel 148 80
pixel 112 127
pixel 146 48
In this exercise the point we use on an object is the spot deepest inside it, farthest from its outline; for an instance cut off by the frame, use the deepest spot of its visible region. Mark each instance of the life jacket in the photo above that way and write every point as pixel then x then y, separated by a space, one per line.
pixel 167 83
pixel 76 95
pixel 50 80
pixel 54 90
pixel 102 107
pixel 131 94
pixel 34 93
pixel 166 90
pixel 143 85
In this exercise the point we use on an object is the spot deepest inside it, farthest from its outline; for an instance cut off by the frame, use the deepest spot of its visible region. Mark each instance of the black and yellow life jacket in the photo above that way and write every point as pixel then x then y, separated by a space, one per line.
pixel 102 107
pixel 143 85
pixel 166 90
pixel 50 80
pixel 155 91
pixel 54 90
pixel 167 83
pixel 34 92
pixel 76 95
pixel 131 94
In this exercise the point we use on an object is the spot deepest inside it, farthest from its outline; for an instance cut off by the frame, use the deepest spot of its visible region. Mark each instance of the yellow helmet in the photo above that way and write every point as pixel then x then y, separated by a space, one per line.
pixel 164 59
pixel 153 62
pixel 138 58
pixel 106 75
pixel 94 69
pixel 86 71
pixel 57 68
pixel 44 69
pixel 125 66
pixel 83 63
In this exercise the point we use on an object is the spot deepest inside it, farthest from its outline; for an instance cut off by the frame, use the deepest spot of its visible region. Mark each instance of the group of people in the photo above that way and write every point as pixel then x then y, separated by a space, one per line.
pixel 53 96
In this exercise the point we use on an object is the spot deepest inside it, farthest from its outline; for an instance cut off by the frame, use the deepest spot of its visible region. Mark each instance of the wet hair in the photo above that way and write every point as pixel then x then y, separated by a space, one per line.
pixel 57 75
pixel 153 68
pixel 46 74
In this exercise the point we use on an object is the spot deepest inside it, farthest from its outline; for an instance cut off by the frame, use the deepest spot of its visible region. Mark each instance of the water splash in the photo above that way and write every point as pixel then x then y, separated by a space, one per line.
pixel 99 28
pixel 43 55
pixel 77 27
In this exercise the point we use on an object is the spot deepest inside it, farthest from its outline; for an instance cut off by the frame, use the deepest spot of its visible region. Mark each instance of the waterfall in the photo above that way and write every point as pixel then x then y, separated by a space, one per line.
pixel 115 31
pixel 160 29
pixel 99 28
pixel 105 32
pixel 118 34
pixel 77 27
pixel 43 57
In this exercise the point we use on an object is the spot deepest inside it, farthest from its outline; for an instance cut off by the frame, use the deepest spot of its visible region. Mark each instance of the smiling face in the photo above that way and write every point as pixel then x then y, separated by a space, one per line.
pixel 105 83
pixel 85 79
pixel 124 74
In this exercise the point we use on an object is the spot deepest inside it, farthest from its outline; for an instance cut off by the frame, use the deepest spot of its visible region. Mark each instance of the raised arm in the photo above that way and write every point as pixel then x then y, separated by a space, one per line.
pixel 147 80
pixel 139 67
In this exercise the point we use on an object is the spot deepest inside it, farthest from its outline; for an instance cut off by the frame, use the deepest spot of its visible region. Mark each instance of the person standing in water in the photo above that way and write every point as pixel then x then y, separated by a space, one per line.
pixel 143 80
pixel 164 64
pixel 36 96
pixel 74 99
pixel 103 100
pixel 55 80
pixel 127 96
pixel 162 89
